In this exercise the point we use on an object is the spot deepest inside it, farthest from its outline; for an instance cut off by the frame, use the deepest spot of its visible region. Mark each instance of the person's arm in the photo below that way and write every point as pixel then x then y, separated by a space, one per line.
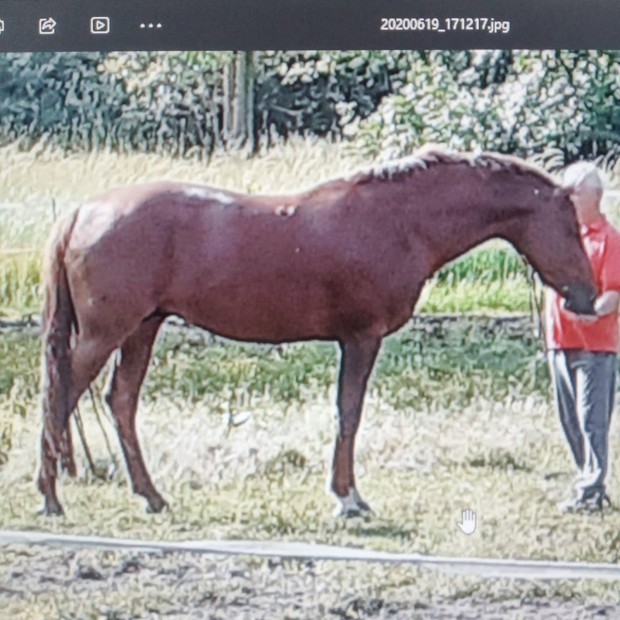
pixel 608 302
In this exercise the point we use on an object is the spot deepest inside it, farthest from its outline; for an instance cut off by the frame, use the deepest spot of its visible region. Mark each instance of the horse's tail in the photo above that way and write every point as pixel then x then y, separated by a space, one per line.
pixel 58 322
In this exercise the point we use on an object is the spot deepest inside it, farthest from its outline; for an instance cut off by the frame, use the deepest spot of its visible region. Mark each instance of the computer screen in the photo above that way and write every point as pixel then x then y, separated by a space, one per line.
pixel 309 309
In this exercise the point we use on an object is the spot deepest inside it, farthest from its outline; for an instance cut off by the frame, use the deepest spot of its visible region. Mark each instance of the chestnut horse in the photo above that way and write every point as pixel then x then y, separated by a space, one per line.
pixel 344 261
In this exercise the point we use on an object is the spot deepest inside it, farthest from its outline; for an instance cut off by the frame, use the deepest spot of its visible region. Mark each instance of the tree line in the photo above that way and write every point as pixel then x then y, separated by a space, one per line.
pixel 554 105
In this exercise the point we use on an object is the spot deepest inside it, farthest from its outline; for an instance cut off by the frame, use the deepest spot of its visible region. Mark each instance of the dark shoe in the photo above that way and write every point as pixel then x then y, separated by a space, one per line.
pixel 585 505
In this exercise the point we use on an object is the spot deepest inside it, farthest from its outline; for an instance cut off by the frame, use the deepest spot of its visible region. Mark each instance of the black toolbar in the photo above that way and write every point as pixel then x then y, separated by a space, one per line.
pixel 81 25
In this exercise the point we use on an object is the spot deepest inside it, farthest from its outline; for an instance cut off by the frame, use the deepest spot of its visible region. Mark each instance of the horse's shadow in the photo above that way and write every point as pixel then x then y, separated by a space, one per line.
pixel 372 529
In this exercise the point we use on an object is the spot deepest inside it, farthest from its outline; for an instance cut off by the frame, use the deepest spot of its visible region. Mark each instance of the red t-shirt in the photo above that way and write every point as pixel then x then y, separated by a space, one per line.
pixel 601 242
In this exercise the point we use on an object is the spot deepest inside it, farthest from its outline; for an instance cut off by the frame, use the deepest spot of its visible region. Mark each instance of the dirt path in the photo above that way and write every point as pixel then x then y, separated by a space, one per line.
pixel 48 583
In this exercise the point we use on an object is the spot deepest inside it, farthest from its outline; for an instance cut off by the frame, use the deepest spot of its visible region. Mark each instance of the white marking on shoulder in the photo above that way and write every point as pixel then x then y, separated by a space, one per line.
pixel 208 194
pixel 96 214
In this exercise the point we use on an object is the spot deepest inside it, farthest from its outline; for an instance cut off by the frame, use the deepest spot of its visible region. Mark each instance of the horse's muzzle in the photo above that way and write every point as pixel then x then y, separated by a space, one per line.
pixel 579 298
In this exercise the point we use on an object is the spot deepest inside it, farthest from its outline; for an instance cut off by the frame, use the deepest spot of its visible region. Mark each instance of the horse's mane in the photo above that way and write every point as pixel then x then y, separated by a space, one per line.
pixel 430 157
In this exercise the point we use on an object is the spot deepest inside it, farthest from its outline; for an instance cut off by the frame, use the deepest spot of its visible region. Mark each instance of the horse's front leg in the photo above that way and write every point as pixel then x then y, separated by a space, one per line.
pixel 122 397
pixel 357 359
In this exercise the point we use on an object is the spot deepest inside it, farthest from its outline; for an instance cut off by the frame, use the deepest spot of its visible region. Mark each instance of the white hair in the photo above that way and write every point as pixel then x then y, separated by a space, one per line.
pixel 582 173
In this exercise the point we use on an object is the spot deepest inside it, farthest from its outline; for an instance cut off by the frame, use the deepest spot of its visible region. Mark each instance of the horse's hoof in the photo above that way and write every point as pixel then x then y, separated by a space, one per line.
pixel 51 509
pixel 353 513
pixel 353 506
pixel 157 505
pixel 361 511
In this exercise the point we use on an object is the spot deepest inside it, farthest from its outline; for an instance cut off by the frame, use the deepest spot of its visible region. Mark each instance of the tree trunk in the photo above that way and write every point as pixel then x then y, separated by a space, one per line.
pixel 229 90
pixel 238 116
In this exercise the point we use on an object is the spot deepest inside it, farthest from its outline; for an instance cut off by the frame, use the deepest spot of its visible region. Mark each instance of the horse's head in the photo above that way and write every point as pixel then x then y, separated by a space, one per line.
pixel 548 236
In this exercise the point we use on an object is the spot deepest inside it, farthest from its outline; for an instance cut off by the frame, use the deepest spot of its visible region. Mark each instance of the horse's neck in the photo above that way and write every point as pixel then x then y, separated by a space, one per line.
pixel 461 242
pixel 442 213
pixel 457 224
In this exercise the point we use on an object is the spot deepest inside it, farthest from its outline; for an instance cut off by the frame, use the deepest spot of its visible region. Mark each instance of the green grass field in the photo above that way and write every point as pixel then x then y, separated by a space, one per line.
pixel 458 415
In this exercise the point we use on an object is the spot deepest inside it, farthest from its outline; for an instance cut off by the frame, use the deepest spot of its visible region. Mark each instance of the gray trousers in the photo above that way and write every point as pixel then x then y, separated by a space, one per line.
pixel 584 383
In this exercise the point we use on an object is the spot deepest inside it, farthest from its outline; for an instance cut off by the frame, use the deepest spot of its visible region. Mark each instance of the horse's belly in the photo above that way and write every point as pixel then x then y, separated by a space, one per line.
pixel 280 298
pixel 258 326
pixel 257 316
pixel 287 313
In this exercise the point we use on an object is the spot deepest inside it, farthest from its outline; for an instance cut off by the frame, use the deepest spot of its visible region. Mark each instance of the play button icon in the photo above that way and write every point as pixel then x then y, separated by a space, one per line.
pixel 100 25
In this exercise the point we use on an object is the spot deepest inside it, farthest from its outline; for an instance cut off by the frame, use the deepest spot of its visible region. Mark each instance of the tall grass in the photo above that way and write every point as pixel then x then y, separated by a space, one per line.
pixel 447 364
pixel 492 278
pixel 20 279
pixel 488 265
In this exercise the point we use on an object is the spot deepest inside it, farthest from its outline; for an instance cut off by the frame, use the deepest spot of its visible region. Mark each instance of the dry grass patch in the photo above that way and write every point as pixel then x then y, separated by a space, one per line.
pixel 266 480
pixel 71 178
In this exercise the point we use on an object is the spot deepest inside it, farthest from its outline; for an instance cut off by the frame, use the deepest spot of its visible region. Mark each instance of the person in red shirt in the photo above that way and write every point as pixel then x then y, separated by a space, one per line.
pixel 582 350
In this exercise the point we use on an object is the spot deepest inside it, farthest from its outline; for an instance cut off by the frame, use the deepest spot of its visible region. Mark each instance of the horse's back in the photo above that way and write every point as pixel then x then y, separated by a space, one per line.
pixel 262 268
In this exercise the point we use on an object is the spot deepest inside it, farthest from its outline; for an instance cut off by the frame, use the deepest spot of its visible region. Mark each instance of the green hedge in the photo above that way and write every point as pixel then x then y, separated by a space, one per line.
pixel 557 106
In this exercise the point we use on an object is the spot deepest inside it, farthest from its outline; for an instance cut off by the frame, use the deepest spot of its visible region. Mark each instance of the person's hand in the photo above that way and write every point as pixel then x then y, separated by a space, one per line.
pixel 586 319
pixel 604 304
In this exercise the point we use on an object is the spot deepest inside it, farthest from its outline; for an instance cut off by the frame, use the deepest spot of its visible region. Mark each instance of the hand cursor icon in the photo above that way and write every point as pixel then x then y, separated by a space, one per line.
pixel 468 522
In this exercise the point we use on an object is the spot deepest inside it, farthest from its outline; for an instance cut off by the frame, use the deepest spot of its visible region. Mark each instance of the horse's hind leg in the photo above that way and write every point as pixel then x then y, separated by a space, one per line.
pixel 67 460
pixel 122 397
pixel 87 359
pixel 358 357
